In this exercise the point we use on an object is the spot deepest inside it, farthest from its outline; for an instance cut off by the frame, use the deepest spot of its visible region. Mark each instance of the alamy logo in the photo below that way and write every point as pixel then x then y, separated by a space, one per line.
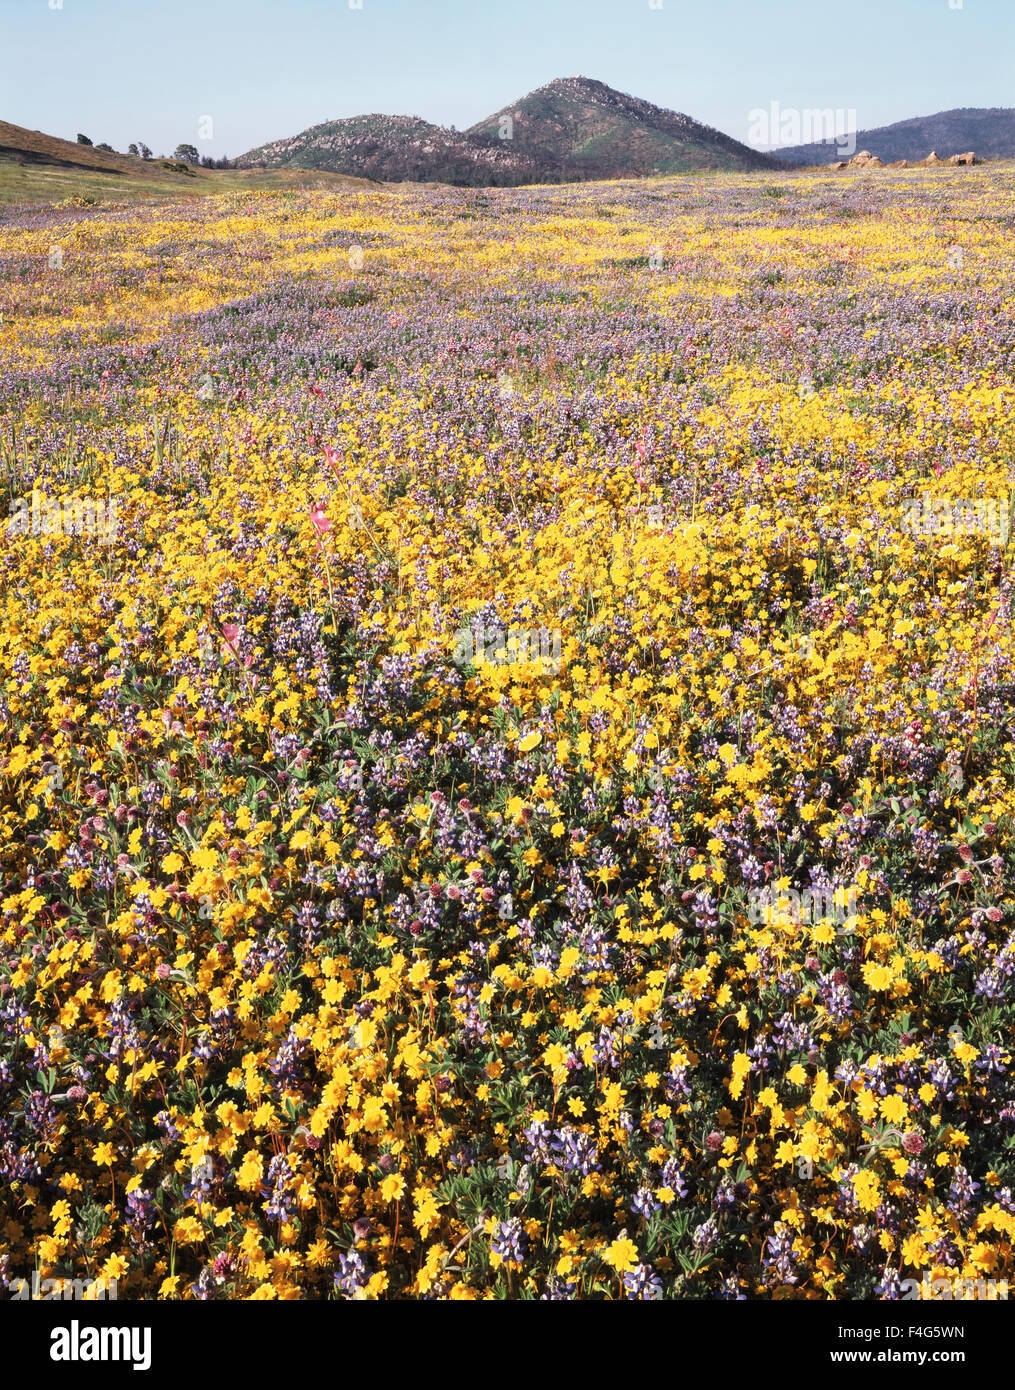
pixel 811 125
pixel 67 1289
pixel 39 515
pixel 499 646
pixel 957 1290
pixel 957 516
pixel 77 1343
pixel 70 1289
pixel 814 906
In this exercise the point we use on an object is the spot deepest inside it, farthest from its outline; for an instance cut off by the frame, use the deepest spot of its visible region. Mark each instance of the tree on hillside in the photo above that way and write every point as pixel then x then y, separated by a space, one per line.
pixel 145 151
pixel 133 149
pixel 188 153
pixel 104 146
pixel 83 139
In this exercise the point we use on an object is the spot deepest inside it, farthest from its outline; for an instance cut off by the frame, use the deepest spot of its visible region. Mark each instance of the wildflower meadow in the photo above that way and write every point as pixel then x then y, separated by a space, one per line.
pixel 507 702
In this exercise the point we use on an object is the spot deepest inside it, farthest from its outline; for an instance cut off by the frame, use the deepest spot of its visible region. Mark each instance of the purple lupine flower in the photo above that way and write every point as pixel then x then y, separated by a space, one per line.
pixel 351 1274
pixel 643 1283
pixel 778 1257
pixel 644 1202
pixel 890 1287
pixel 509 1241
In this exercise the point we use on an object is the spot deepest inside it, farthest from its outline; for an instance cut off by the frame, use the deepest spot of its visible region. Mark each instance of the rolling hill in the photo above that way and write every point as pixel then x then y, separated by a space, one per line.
pixel 35 167
pixel 988 131
pixel 572 129
pixel 33 147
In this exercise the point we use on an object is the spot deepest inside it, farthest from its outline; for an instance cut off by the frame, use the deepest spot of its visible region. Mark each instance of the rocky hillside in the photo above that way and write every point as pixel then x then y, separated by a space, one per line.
pixel 581 128
pixel 572 129
pixel 397 149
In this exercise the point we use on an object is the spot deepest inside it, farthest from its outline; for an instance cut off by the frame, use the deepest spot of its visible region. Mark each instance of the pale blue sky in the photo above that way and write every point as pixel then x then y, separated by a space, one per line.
pixel 122 70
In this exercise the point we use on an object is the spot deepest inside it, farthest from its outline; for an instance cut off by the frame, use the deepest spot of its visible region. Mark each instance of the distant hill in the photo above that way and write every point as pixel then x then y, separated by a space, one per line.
pixel 572 129
pixel 988 131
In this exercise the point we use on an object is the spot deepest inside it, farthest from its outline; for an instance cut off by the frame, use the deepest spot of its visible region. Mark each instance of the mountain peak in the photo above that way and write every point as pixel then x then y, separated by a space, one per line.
pixel 586 86
pixel 585 129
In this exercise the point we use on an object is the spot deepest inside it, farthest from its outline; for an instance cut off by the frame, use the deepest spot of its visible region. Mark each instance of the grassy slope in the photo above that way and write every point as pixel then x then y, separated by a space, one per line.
pixel 35 167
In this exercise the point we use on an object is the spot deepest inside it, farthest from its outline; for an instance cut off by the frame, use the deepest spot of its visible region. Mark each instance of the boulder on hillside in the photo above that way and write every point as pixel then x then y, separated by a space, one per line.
pixel 863 159
pixel 899 164
pixel 933 159
pixel 839 164
pixel 968 158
